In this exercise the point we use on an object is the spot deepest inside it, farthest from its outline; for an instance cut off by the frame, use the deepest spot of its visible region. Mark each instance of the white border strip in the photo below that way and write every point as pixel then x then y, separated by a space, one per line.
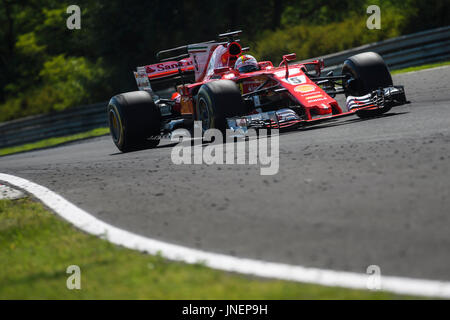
pixel 88 223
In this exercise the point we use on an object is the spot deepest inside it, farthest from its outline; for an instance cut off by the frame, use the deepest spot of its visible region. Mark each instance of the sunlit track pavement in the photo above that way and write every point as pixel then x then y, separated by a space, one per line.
pixel 349 194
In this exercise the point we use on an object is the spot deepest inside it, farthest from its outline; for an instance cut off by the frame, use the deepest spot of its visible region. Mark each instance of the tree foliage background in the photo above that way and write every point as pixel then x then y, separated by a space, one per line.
pixel 46 67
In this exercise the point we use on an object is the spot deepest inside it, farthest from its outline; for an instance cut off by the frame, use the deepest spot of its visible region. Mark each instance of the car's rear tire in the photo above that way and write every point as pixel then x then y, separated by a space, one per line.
pixel 218 100
pixel 369 73
pixel 134 121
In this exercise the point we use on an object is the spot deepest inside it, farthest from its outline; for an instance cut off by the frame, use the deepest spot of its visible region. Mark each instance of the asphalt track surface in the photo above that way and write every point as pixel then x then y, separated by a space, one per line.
pixel 348 194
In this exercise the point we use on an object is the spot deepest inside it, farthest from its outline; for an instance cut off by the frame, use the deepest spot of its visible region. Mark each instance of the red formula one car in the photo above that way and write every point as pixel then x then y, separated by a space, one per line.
pixel 199 82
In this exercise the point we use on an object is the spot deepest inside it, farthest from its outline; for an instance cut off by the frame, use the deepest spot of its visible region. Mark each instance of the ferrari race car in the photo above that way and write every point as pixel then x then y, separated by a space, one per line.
pixel 199 82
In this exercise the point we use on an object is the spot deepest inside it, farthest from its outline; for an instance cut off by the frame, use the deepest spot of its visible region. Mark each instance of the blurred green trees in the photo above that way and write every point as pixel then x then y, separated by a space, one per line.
pixel 327 29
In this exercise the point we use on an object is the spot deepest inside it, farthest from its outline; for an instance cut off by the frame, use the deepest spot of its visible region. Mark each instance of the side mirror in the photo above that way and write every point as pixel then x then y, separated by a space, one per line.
pixel 290 57
pixel 286 58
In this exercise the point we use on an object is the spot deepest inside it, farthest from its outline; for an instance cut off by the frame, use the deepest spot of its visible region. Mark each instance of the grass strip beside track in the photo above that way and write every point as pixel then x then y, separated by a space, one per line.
pixel 37 247
pixel 51 142
pixel 422 67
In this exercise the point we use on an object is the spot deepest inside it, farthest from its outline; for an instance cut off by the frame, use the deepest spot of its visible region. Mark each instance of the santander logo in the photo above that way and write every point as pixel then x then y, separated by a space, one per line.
pixel 167 66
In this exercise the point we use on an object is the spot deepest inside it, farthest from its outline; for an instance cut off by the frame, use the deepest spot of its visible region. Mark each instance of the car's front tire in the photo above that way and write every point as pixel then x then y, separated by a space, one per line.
pixel 218 100
pixel 134 121
pixel 369 72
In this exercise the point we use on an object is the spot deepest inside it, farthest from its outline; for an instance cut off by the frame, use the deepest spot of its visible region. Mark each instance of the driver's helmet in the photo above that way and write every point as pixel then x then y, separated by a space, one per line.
pixel 246 63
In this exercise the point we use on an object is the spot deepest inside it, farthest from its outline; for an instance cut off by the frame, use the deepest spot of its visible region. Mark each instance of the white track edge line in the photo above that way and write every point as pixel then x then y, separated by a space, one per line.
pixel 88 223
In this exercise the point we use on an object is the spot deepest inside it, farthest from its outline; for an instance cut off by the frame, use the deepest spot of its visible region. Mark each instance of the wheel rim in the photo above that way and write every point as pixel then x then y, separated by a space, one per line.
pixel 114 126
pixel 204 114
pixel 347 88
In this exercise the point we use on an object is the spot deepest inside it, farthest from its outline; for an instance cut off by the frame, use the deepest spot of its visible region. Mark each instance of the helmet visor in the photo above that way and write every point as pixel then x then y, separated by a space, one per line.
pixel 248 68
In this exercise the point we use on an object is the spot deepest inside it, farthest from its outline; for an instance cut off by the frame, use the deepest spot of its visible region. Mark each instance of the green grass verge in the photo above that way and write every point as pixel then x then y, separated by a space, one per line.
pixel 36 248
pixel 51 142
pixel 422 67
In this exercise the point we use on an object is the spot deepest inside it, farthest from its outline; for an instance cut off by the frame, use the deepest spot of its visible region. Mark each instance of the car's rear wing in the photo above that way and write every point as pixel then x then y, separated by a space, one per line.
pixel 178 52
pixel 150 75
pixel 180 63
pixel 198 53
pixel 182 51
pixel 193 63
